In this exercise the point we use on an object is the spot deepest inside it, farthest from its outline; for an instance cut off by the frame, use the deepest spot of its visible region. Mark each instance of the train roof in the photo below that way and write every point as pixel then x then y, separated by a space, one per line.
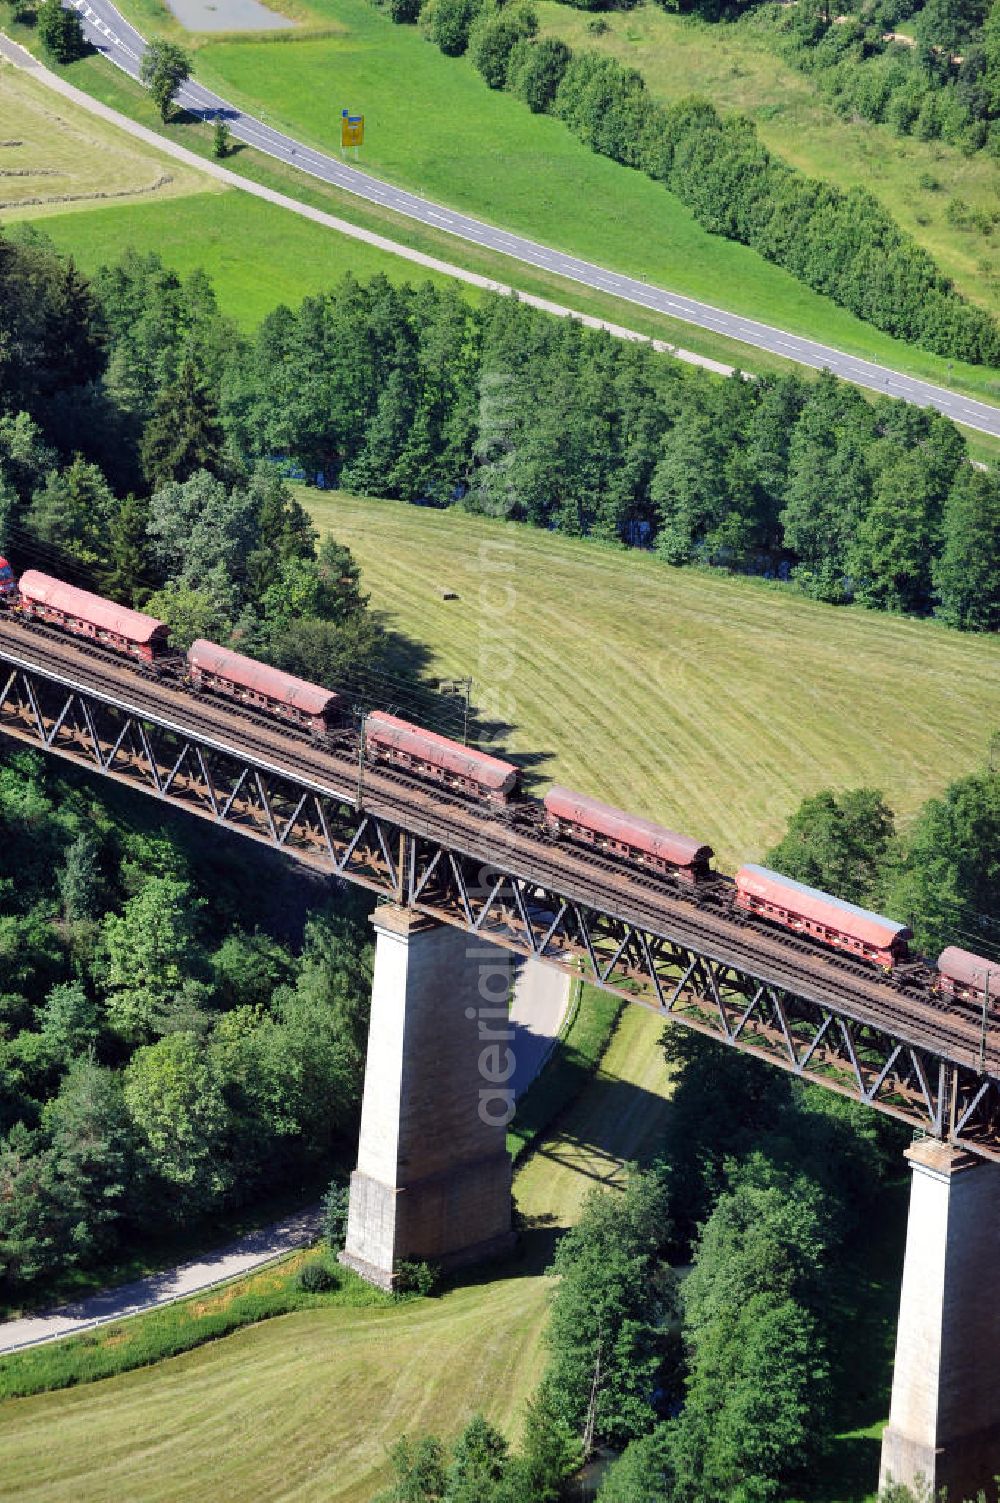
pixel 42 589
pixel 644 834
pixel 313 699
pixel 464 761
pixel 821 907
pixel 970 970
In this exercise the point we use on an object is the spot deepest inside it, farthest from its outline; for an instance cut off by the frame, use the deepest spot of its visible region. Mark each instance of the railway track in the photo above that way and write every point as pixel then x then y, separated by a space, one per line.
pixel 699 918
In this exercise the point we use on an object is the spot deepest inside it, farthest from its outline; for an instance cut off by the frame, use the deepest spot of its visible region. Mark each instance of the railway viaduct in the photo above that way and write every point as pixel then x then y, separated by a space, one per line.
pixel 463 895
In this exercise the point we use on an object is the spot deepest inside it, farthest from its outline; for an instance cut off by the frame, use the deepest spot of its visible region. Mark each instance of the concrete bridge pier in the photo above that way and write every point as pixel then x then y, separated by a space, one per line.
pixel 433 1180
pixel 944 1422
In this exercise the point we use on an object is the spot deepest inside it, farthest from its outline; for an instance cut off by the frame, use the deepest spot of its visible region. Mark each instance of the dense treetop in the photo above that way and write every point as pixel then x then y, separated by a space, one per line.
pixel 143 440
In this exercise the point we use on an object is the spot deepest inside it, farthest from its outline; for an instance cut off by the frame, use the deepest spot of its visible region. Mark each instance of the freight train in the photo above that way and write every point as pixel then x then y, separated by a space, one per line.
pixel 633 844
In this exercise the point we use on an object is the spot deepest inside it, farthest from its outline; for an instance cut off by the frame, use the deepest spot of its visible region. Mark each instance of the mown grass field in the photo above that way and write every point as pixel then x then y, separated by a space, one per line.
pixel 448 135
pixel 680 55
pixel 714 704
pixel 304 1406
pixel 54 158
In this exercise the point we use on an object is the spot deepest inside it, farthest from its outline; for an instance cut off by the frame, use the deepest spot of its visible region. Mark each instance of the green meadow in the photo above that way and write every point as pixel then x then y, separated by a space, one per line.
pixel 714 704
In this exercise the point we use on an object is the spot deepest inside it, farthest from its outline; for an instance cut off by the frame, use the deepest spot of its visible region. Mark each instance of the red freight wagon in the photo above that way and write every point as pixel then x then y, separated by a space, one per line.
pixel 835 922
pixel 251 683
pixel 609 829
pixel 87 615
pixel 966 976
pixel 389 739
pixel 8 584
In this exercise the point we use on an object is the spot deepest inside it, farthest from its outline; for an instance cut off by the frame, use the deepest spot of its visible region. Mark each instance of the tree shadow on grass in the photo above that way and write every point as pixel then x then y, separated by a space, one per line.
pixel 866 1302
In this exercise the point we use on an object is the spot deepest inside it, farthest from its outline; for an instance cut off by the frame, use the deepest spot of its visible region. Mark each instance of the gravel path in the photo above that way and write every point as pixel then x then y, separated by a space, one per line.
pixel 242 1256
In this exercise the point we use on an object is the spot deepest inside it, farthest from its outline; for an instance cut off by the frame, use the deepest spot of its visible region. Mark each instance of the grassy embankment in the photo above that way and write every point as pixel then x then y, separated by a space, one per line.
pixel 679 55
pixel 259 255
pixel 447 135
pixel 710 702
pixel 95 190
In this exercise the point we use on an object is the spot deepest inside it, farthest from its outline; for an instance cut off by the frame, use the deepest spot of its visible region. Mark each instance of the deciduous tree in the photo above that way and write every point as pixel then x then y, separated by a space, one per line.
pixel 179 1114
pixel 164 68
pixel 838 842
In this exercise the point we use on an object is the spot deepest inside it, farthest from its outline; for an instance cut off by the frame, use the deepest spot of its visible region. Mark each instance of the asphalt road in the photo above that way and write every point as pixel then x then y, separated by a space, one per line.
pixel 112 35
pixel 541 996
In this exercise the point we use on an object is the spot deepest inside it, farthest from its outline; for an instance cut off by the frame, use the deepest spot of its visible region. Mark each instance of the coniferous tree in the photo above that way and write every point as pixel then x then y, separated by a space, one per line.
pixel 891 555
pixel 74 512
pixel 128 577
pixel 967 574
pixel 183 434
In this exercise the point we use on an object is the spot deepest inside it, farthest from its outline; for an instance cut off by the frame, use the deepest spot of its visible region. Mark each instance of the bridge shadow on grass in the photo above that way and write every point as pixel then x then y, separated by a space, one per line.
pixel 610 1124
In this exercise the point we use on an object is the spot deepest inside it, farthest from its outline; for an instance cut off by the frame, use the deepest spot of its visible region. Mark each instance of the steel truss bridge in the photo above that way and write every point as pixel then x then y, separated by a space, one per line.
pixel 685 954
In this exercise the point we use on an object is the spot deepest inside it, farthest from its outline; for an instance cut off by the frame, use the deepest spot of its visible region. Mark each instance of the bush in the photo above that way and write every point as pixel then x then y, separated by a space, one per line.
pixel 316 1278
pixel 416 1278
pixel 497 31
pixel 536 70
pixel 447 24
pixel 335 1205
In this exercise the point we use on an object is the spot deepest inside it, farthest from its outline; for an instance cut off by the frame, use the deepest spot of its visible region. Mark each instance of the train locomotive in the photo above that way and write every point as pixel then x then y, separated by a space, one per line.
pixel 635 845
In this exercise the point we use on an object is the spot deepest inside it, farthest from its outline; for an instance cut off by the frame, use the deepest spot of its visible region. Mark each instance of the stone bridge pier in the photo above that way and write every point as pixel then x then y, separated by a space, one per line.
pixel 433 1180
pixel 944 1422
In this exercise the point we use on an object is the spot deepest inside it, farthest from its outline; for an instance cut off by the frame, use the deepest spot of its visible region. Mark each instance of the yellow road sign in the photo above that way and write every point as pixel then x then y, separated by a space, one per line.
pixel 352 129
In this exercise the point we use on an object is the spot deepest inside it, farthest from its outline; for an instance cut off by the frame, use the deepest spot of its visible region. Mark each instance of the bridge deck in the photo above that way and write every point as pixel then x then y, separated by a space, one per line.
pixel 697 921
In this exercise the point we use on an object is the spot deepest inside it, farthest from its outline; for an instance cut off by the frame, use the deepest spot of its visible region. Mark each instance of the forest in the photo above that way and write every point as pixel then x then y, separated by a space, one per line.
pixel 144 441
pixel 164 1057
pixel 843 245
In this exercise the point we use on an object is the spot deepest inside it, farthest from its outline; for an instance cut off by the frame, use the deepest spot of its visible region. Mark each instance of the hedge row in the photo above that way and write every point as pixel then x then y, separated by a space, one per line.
pixel 843 245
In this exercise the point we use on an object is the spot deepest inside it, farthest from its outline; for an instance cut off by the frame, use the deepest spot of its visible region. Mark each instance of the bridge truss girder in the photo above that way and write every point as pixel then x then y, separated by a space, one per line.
pixel 325 827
